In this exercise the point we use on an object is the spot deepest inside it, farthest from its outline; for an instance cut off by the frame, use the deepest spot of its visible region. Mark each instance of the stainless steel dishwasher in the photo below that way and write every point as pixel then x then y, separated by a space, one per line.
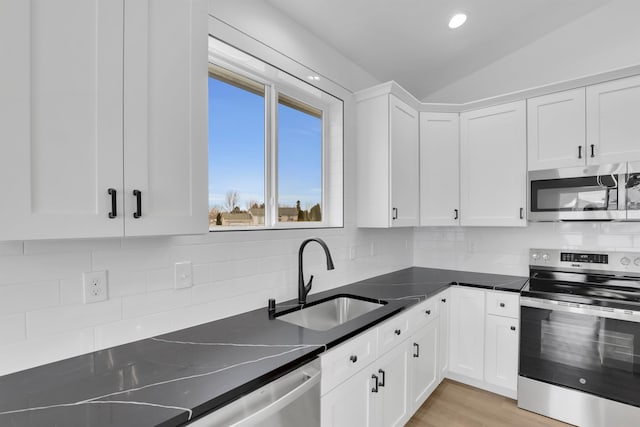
pixel 290 401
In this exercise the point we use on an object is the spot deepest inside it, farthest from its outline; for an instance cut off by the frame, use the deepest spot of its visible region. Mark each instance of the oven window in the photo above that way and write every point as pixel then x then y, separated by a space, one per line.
pixel 575 194
pixel 585 352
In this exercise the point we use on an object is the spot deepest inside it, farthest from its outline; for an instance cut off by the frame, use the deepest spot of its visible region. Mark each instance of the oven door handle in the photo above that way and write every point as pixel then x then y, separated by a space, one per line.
pixel 591 310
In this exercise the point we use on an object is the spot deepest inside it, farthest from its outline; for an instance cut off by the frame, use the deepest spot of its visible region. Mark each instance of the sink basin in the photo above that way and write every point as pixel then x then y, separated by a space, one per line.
pixel 330 313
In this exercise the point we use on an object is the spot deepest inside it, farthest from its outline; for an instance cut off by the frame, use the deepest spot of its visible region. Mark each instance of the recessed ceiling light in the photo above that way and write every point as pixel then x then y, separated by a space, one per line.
pixel 457 20
pixel 313 78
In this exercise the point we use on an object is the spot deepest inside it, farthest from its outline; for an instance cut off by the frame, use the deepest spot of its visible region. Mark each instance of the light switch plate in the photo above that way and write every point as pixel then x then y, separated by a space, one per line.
pixel 183 277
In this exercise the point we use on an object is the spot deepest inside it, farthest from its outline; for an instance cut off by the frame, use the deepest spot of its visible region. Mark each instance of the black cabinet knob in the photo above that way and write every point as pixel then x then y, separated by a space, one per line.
pixel 513 328
pixel 354 358
pixel 443 300
pixel 397 331
pixel 428 312
pixel 502 304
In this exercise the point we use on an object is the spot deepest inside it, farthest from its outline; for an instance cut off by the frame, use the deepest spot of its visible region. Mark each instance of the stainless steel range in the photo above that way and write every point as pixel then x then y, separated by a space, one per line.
pixel 580 337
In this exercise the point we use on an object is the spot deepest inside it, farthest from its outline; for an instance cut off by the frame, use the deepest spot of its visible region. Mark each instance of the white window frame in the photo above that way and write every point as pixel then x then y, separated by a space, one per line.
pixel 277 81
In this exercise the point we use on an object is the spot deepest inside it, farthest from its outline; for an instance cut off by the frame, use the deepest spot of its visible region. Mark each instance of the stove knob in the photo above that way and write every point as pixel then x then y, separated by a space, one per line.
pixel 535 256
pixel 637 262
pixel 545 257
pixel 625 261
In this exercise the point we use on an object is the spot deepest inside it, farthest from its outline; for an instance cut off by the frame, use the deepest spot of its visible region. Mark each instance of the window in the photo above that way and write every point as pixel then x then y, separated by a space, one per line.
pixel 275 147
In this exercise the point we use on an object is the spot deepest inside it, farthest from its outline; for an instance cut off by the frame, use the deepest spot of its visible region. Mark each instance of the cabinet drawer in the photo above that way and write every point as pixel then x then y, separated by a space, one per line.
pixel 424 313
pixel 505 304
pixel 345 360
pixel 393 332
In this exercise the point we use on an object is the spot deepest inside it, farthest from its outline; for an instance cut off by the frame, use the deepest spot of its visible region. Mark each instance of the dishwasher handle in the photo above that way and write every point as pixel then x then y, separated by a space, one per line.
pixel 258 415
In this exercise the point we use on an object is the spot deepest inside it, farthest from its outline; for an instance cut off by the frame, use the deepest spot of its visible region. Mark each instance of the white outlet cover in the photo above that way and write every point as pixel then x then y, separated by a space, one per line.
pixel 183 277
pixel 95 286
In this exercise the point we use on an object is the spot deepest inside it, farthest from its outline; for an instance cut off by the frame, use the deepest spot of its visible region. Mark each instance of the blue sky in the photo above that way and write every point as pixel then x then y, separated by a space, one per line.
pixel 236 149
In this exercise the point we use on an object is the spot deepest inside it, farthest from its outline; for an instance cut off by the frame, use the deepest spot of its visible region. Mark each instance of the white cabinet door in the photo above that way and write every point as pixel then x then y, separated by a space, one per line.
pixel 405 194
pixel 467 319
pixel 423 364
pixel 443 345
pixel 350 404
pixel 613 128
pixel 556 130
pixel 61 108
pixel 493 166
pixel 501 353
pixel 391 403
pixel 439 169
pixel 165 108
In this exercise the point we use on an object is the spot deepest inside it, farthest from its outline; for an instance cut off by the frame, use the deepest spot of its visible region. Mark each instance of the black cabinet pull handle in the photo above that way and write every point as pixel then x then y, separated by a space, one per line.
pixel 354 358
pixel 456 214
pixel 579 151
pixel 593 148
pixel 382 374
pixel 138 196
pixel 114 203
pixel 428 312
pixel 397 331
pixel 443 300
pixel 417 346
pixel 502 304
pixel 521 213
pixel 513 328
pixel 395 213
pixel 375 384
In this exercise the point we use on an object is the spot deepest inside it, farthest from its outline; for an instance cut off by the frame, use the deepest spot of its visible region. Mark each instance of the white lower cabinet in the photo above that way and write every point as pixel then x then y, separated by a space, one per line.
pixel 467 332
pixel 350 404
pixel 501 352
pixel 391 406
pixel 484 339
pixel 387 391
pixel 423 364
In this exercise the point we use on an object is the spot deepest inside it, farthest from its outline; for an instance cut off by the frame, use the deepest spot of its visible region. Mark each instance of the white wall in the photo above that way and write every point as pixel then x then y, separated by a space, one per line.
pixel 607 38
pixel 506 250
pixel 43 319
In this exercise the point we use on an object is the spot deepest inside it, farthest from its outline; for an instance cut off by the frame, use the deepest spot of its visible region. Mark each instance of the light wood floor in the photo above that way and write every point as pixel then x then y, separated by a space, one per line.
pixel 454 404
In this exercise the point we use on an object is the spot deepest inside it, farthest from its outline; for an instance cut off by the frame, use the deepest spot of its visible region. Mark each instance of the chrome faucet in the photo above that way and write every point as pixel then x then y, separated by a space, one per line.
pixel 303 290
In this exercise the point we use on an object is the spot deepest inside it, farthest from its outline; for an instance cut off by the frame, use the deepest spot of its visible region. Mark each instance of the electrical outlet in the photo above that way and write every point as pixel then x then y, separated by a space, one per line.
pixel 183 277
pixel 95 286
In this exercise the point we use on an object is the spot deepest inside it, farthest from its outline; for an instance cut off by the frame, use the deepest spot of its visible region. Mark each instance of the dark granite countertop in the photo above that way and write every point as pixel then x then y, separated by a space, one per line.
pixel 170 379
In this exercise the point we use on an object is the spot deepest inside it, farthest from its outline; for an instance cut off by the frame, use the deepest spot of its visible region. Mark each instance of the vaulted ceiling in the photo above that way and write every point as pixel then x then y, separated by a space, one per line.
pixel 409 40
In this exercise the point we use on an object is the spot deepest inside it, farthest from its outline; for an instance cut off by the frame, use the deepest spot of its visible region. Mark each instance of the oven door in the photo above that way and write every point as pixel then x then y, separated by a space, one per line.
pixel 633 191
pixel 587 348
pixel 582 193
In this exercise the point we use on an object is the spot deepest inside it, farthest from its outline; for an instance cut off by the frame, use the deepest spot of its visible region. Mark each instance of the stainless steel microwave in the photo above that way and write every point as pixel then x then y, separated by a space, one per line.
pixel 591 193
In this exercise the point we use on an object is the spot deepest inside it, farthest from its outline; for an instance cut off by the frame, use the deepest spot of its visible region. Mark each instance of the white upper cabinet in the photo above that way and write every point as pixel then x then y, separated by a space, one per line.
pixel 493 166
pixel 388 179
pixel 73 83
pixel 556 130
pixel 613 121
pixel 165 116
pixel 439 169
pixel 61 109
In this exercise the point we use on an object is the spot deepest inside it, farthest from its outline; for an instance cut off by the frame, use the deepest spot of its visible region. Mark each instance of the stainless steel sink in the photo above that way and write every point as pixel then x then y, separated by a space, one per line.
pixel 331 313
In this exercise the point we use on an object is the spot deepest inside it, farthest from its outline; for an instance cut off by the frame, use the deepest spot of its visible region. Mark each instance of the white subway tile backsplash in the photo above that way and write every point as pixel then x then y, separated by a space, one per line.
pixel 11 248
pixel 154 302
pixel 24 297
pixel 71 291
pixel 32 268
pixel 12 328
pixel 33 352
pixel 158 280
pixel 134 329
pixel 68 318
pixel 126 282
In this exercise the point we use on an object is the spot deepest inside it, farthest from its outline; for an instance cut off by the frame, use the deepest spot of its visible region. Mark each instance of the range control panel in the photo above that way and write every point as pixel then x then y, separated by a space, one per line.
pixel 584 258
pixel 627 262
